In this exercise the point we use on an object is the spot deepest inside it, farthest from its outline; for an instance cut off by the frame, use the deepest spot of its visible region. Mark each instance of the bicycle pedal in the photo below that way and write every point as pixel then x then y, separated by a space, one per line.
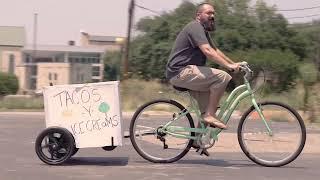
pixel 205 152
pixel 202 152
pixel 217 127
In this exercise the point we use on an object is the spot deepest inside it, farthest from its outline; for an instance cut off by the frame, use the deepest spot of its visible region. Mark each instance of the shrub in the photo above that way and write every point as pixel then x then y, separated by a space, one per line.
pixel 8 84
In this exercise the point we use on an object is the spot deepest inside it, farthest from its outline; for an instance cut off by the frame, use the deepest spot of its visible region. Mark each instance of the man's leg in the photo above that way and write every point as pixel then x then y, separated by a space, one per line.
pixel 216 92
pixel 199 78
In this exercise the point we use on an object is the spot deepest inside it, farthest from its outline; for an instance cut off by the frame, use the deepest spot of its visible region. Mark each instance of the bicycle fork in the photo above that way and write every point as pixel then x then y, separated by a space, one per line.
pixel 258 109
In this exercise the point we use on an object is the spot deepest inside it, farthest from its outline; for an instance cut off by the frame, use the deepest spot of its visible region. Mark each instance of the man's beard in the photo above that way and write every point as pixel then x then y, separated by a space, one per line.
pixel 209 25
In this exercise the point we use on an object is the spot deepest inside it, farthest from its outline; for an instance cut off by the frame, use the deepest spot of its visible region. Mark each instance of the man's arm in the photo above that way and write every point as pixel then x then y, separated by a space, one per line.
pixel 215 56
pixel 224 56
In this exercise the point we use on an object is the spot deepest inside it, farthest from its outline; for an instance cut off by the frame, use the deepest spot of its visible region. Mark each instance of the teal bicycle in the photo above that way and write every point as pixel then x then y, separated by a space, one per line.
pixel 269 133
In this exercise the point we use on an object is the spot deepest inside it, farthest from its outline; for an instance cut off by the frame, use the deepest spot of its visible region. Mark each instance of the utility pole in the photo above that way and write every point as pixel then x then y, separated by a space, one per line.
pixel 32 66
pixel 130 18
pixel 35 36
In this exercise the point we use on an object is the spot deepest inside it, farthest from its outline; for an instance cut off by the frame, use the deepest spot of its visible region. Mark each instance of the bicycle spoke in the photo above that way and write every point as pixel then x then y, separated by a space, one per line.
pixel 148 138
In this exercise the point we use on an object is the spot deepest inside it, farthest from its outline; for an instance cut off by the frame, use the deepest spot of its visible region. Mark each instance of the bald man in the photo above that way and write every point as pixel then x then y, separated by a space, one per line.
pixel 186 65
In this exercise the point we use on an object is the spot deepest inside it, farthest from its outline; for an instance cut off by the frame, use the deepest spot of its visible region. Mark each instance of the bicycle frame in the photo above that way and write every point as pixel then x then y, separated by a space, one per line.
pixel 227 108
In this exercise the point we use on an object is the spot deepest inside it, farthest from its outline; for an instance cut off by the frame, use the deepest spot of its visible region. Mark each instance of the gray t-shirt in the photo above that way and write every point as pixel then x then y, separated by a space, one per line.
pixel 186 49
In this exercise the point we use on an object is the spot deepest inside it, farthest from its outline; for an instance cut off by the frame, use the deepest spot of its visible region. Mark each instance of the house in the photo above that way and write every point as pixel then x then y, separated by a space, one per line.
pixel 40 65
pixel 12 41
pixel 62 64
pixel 110 43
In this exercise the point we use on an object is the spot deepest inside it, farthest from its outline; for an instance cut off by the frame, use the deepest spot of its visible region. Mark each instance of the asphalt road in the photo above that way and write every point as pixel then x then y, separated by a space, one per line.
pixel 18 159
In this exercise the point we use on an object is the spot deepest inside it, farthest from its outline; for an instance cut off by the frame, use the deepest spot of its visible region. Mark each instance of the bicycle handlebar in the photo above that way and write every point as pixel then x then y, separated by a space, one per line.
pixel 244 67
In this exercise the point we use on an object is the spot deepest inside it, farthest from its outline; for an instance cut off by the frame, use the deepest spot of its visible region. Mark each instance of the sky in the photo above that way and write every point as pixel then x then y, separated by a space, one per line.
pixel 62 20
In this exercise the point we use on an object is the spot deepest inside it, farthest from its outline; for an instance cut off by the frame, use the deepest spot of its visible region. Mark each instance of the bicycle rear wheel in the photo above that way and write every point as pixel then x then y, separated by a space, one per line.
pixel 287 139
pixel 149 142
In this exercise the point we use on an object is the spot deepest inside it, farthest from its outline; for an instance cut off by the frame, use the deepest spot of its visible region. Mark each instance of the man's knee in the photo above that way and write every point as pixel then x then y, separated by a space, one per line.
pixel 227 78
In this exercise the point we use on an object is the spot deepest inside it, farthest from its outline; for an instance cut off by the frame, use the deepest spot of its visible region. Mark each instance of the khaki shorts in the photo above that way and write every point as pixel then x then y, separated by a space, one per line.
pixel 201 80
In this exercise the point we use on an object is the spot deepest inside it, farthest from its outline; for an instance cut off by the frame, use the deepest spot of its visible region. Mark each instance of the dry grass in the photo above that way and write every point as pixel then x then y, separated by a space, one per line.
pixel 135 93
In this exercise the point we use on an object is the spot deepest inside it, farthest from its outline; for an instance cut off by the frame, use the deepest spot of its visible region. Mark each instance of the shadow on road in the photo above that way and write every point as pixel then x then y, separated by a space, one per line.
pixel 97 161
pixel 232 163
pixel 219 163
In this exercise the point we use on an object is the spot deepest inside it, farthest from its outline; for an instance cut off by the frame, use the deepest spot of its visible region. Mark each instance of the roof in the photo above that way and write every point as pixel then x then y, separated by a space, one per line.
pixel 51 50
pixel 65 48
pixel 12 36
pixel 105 38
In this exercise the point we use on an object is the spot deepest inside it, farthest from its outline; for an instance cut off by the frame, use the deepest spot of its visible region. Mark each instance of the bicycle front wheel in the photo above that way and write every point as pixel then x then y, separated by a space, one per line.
pixel 278 148
pixel 148 138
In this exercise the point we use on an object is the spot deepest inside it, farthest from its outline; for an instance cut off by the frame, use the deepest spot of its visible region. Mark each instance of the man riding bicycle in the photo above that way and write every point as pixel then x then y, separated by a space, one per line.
pixel 186 64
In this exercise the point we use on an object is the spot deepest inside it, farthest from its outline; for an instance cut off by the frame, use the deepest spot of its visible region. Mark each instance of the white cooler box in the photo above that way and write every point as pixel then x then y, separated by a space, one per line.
pixel 91 112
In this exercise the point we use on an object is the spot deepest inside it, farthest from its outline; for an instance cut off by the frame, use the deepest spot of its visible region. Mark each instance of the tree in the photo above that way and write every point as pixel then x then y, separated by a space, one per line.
pixel 311 36
pixel 258 31
pixel 151 49
pixel 112 62
pixel 280 67
pixel 308 74
pixel 8 84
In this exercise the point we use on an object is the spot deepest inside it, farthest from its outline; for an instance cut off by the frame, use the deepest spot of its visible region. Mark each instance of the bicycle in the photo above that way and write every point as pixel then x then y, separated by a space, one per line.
pixel 270 134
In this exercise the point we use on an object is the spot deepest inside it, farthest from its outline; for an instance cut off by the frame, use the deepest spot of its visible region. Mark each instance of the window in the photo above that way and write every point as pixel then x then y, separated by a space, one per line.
pixel 11 63
pixel 34 70
pixel 33 83
pixel 95 71
pixel 81 77
pixel 28 58
pixel 55 76
pixel 96 60
pixel 50 76
pixel 95 80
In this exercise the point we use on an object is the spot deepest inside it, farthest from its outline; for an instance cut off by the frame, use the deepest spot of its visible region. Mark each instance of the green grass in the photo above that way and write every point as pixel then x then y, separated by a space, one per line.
pixel 21 103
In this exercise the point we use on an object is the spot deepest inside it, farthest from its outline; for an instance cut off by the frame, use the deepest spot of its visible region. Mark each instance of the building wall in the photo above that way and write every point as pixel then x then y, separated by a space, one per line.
pixel 80 73
pixel 62 73
pixel 55 73
pixel 107 46
pixel 21 73
pixel 5 53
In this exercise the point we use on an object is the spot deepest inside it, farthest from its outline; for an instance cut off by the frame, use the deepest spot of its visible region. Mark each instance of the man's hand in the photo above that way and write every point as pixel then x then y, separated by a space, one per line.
pixel 235 67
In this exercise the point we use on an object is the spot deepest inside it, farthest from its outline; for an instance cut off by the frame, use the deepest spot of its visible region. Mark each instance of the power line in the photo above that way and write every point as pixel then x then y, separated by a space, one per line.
pixel 299 9
pixel 150 10
pixel 313 15
pixel 299 17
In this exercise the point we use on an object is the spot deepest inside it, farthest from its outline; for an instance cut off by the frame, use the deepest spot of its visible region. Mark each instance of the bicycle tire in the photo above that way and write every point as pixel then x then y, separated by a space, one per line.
pixel 296 119
pixel 133 135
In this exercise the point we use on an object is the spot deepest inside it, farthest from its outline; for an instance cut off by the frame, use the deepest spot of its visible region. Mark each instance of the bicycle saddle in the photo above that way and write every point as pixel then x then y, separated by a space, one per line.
pixel 180 88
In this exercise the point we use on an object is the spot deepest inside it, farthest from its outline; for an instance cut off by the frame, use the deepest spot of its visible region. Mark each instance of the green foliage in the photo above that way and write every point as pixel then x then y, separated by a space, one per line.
pixel 308 73
pixel 8 84
pixel 280 67
pixel 310 33
pixel 150 50
pixel 112 64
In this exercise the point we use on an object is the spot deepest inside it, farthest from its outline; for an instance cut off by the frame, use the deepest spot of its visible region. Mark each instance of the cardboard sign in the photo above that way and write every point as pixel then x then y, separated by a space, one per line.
pixel 91 112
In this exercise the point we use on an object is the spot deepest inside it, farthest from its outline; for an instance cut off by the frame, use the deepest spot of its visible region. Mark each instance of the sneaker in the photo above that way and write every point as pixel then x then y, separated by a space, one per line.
pixel 214 122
